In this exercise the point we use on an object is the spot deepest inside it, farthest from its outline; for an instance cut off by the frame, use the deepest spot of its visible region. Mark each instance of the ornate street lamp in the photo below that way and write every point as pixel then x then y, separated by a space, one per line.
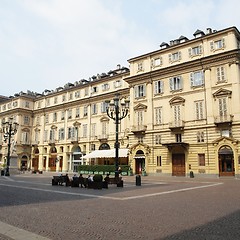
pixel 117 113
pixel 9 130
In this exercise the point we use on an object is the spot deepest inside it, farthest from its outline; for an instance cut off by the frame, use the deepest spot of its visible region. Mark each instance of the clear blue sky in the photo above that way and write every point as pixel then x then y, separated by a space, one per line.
pixel 46 43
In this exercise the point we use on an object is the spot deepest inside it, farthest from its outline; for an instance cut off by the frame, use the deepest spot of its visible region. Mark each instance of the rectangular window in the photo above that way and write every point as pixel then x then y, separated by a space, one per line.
pixel 84 130
pixel 69 113
pixel 93 129
pixel 175 83
pixel 117 84
pixel 70 96
pixel 55 100
pixel 196 78
pixel 222 104
pixel 159 161
pixel 63 98
pixel 86 92
pixel 77 94
pixel 226 133
pixel 77 112
pixel 158 87
pixel 158 115
pixel 140 91
pixel 140 118
pixel 85 111
pixel 199 110
pixel 195 51
pixel 26 120
pixel 200 136
pixel 93 147
pixel 27 105
pixel 221 76
pixel 94 89
pixel 104 128
pixel 178 137
pixel 177 114
pixel 94 108
pixel 174 57
pixel 219 44
pixel 62 115
pixel 157 139
pixel 61 134
pixel 55 117
pixel 156 62
pixel 201 159
pixel 140 67
pixel 105 87
pixel 104 106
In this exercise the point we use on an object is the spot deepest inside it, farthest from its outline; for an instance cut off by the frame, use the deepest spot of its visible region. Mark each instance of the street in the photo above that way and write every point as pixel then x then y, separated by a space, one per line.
pixel 161 208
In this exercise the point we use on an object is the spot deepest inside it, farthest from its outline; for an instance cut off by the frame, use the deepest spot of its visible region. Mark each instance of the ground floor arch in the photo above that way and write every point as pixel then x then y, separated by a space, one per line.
pixel 226 161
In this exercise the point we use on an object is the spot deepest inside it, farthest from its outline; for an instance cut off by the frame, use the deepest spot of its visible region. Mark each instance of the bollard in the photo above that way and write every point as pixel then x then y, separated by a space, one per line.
pixel 138 180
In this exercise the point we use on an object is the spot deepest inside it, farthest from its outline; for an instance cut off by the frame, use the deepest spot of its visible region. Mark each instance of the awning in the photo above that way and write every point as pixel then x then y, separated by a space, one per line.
pixel 110 153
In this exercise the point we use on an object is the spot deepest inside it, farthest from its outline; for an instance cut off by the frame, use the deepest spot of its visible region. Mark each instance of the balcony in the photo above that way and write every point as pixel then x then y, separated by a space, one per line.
pixel 74 140
pixel 52 142
pixel 177 125
pixel 103 137
pixel 35 143
pixel 25 143
pixel 139 129
pixel 223 120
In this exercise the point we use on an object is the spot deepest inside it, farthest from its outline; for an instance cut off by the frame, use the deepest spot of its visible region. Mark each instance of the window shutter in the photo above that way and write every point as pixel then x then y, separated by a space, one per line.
pixel 192 79
pixel 136 91
pixel 190 52
pixel 144 91
pixel 200 49
pixel 152 63
pixel 202 77
pixel 223 43
pixel 180 82
pixel 161 86
pixel 170 57
pixel 171 83
pixel 156 87
pixel 179 55
pixel 218 74
pixel 211 45
pixel 160 60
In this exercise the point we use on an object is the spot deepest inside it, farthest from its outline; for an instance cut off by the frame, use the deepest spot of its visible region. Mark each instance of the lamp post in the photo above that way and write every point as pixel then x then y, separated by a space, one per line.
pixel 9 129
pixel 117 113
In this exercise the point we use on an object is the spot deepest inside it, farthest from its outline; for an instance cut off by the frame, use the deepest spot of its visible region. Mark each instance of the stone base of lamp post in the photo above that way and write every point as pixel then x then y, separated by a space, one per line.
pixel 13 168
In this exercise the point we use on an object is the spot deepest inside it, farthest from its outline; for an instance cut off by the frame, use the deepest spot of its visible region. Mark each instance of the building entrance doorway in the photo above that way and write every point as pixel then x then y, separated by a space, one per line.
pixel 178 164
pixel 139 162
pixel 226 161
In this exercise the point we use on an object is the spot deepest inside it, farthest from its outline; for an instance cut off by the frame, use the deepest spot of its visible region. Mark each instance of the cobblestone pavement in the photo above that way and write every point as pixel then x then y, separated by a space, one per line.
pixel 162 208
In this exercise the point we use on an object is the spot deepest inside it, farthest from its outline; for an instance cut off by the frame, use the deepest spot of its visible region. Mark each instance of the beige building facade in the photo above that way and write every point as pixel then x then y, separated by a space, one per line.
pixel 184 116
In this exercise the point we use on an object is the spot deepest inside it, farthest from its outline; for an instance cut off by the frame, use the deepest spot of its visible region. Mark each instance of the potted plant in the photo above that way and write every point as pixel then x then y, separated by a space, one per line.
pixel 97 179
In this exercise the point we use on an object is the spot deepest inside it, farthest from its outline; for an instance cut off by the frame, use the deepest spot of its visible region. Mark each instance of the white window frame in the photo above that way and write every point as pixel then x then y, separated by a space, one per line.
pixel 158 115
pixel 94 108
pixel 197 78
pixel 140 91
pixel 175 57
pixel 156 62
pixel 176 83
pixel 199 110
pixel 217 44
pixel 158 87
pixel 195 51
pixel 221 74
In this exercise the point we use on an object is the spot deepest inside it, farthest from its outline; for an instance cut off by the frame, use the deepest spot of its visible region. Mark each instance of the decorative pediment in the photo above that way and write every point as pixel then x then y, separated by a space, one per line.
pixel 76 124
pixel 225 140
pixel 222 92
pixel 140 107
pixel 104 119
pixel 177 100
pixel 140 146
